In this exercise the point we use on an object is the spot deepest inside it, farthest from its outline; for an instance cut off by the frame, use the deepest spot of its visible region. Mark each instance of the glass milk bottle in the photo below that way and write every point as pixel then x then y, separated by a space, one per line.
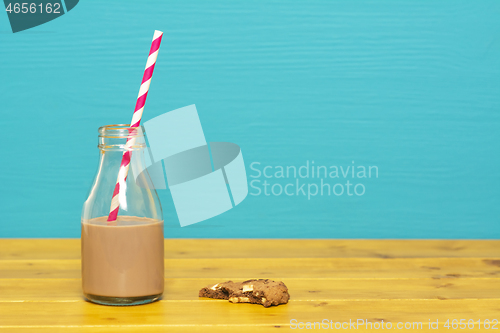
pixel 122 260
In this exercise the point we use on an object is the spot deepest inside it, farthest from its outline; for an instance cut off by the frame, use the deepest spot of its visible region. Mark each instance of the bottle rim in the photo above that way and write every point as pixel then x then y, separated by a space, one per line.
pixel 121 137
pixel 120 131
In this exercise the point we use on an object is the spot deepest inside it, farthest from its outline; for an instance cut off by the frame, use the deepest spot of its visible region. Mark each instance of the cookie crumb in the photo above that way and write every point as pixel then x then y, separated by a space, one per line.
pixel 247 288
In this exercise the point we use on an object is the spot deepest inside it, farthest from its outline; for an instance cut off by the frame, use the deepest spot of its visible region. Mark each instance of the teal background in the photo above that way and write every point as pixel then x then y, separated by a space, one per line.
pixel 412 87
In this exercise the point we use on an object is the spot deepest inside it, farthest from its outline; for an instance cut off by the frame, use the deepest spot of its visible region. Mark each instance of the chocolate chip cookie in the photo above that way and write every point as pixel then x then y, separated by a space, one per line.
pixel 261 291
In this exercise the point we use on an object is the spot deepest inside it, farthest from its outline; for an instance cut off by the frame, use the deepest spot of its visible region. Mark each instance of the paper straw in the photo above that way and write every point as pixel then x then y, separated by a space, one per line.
pixel 120 187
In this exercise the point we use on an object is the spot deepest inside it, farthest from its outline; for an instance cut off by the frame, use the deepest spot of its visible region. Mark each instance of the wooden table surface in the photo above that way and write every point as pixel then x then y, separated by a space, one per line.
pixel 396 281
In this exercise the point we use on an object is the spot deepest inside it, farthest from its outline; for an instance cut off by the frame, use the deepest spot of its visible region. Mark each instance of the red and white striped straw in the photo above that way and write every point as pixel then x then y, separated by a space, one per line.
pixel 120 187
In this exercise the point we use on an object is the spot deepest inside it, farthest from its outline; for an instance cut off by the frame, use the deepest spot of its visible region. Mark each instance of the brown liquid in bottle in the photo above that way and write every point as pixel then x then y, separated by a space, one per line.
pixel 125 260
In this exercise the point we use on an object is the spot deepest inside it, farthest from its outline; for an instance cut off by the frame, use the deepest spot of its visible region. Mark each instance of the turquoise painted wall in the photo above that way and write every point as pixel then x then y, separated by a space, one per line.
pixel 412 87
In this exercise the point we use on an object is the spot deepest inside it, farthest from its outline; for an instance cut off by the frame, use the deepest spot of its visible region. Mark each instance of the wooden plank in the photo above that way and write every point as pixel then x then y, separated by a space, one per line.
pixel 331 248
pixel 149 329
pixel 19 290
pixel 279 248
pixel 171 314
pixel 196 329
pixel 13 249
pixel 145 329
pixel 245 268
pixel 200 329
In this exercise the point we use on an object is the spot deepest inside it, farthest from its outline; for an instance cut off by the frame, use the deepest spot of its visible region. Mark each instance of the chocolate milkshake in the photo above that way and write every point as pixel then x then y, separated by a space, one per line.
pixel 122 263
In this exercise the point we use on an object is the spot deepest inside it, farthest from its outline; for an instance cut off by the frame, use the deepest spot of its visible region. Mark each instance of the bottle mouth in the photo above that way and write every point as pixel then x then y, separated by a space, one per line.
pixel 120 131
pixel 115 137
